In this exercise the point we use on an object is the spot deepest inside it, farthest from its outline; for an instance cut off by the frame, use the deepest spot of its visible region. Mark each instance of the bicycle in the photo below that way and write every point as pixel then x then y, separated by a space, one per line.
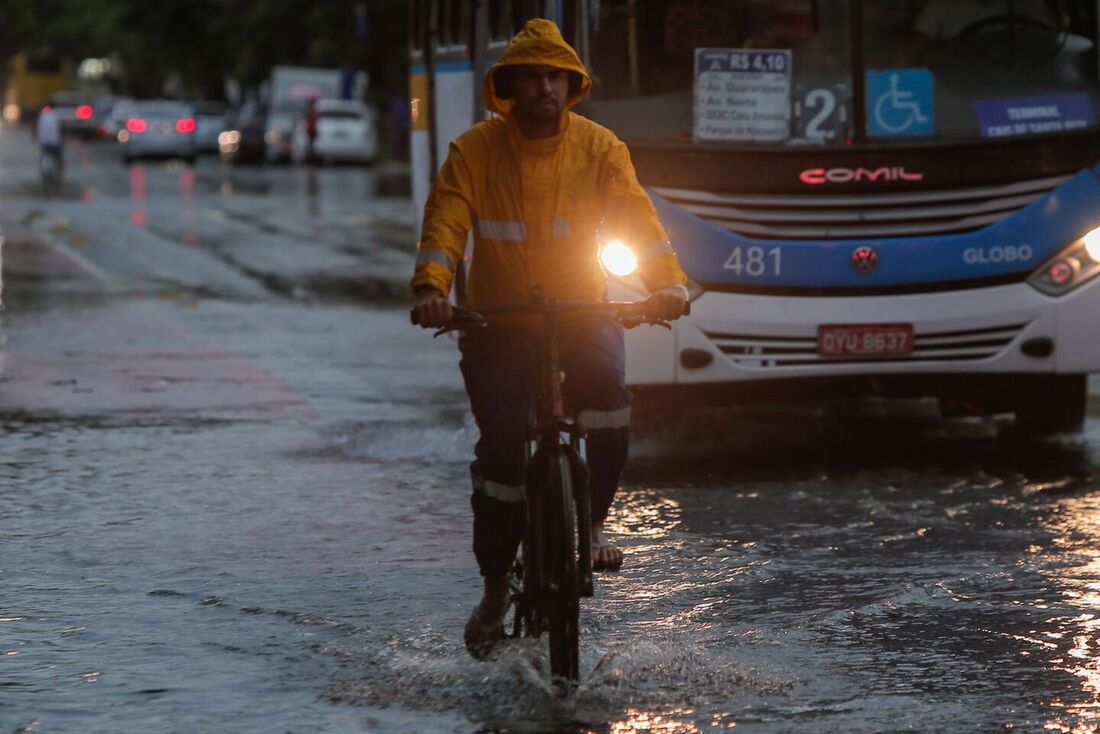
pixel 49 168
pixel 554 566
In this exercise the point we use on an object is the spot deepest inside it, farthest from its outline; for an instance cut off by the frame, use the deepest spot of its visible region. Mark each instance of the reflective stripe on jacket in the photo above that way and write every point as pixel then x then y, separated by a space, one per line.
pixel 534 206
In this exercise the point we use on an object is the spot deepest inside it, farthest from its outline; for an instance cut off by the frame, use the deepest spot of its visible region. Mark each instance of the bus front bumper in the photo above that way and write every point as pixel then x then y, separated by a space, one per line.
pixel 1007 329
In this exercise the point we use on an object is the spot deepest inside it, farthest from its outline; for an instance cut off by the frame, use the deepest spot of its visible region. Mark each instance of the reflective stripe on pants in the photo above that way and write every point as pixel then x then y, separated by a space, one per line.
pixel 592 420
pixel 496 490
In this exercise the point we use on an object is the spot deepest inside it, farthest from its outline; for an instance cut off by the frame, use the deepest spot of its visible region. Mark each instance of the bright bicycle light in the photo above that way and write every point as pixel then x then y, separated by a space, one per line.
pixel 1092 244
pixel 618 259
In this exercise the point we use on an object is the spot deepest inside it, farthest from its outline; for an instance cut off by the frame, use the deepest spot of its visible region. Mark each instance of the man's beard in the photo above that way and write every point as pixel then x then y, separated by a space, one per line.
pixel 542 111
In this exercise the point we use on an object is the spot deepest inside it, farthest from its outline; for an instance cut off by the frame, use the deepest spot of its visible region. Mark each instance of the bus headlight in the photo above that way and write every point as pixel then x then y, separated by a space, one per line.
pixel 1071 267
pixel 618 259
pixel 1092 244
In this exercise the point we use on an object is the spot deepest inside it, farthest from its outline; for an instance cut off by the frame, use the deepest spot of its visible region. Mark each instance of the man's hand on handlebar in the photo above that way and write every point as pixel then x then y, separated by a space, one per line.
pixel 667 304
pixel 433 309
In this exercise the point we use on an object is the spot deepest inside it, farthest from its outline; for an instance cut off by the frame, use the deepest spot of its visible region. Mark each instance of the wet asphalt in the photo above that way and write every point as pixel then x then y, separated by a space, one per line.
pixel 233 498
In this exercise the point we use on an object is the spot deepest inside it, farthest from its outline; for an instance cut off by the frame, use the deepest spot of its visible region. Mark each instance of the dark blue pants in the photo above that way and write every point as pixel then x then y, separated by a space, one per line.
pixel 498 365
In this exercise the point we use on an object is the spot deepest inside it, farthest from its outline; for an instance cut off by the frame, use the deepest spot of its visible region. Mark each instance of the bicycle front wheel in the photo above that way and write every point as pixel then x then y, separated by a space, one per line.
pixel 562 600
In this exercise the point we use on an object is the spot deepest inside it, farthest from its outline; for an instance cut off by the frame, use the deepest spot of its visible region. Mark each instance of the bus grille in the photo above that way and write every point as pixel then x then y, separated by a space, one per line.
pixel 842 216
pixel 758 351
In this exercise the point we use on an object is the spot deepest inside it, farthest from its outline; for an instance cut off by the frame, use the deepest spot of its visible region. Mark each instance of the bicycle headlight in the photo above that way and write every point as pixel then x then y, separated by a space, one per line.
pixel 618 259
pixel 1071 267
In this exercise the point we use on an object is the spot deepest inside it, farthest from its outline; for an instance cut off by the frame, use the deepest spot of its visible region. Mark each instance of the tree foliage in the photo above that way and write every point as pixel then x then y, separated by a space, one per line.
pixel 203 42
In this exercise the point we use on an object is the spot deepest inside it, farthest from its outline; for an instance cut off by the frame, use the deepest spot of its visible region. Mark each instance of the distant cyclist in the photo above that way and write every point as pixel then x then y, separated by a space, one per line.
pixel 48 134
pixel 533 183
pixel 311 116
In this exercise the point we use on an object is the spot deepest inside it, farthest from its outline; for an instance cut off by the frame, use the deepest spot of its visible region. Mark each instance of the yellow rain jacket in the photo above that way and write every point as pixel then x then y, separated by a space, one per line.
pixel 534 205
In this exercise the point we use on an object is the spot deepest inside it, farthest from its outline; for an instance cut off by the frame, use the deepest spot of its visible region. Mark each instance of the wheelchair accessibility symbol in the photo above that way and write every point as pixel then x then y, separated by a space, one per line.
pixel 899 102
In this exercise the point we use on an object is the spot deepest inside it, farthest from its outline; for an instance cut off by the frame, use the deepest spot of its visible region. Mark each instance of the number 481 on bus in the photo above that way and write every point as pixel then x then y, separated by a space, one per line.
pixel 754 261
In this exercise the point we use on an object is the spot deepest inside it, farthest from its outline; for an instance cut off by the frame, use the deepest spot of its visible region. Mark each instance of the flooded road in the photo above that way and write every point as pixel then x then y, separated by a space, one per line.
pixel 227 504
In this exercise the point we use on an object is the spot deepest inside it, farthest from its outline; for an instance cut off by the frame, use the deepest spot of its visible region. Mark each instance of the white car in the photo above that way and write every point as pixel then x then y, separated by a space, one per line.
pixel 345 132
pixel 159 128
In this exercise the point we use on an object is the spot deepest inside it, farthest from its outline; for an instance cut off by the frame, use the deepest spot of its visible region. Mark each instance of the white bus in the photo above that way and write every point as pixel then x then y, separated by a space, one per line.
pixel 886 198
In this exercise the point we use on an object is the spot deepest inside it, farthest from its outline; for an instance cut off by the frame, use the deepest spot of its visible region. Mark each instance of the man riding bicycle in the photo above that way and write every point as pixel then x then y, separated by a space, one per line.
pixel 48 133
pixel 533 183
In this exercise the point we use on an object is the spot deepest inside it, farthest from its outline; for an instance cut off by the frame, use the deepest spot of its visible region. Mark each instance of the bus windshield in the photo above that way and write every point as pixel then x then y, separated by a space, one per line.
pixel 756 73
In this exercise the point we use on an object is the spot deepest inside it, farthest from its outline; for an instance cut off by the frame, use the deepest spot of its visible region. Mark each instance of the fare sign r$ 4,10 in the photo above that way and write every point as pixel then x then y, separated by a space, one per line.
pixel 742 94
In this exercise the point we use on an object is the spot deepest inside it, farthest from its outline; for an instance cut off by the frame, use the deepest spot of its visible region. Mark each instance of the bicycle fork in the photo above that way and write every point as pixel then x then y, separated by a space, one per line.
pixel 583 499
pixel 551 410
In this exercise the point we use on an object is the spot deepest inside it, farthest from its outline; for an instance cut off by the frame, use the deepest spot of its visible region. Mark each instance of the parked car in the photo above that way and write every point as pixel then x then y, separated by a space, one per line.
pixel 243 140
pixel 346 132
pixel 76 113
pixel 161 128
pixel 211 120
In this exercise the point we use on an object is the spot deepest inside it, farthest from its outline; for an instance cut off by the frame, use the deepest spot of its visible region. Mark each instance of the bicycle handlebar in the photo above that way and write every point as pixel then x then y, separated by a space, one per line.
pixel 629 313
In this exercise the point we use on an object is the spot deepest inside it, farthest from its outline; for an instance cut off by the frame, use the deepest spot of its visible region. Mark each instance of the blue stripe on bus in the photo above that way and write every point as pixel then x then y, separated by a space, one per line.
pixel 1039 230
pixel 443 67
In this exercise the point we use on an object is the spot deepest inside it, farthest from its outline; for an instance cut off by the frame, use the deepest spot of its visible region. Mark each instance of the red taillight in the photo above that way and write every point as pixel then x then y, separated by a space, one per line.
pixel 84 112
pixel 135 125
pixel 185 125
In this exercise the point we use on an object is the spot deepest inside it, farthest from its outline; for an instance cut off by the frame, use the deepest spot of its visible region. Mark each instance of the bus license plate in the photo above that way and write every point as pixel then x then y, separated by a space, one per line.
pixel 864 340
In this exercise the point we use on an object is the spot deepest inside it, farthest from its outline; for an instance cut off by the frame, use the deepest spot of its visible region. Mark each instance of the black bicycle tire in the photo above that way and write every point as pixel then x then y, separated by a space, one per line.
pixel 529 607
pixel 562 591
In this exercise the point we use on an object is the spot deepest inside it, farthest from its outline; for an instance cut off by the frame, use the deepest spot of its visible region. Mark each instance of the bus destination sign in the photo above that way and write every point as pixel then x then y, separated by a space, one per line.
pixel 1051 113
pixel 742 94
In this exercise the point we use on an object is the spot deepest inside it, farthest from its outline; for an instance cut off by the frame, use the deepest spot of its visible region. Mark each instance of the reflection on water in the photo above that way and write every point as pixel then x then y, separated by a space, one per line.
pixel 915 586
pixel 677 721
pixel 139 215
pixel 187 205
pixel 644 515
pixel 1074 626
pixel 313 191
pixel 953 590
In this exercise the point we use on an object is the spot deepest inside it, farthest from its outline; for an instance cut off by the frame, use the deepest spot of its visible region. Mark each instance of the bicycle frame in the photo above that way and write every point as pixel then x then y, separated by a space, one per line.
pixel 549 425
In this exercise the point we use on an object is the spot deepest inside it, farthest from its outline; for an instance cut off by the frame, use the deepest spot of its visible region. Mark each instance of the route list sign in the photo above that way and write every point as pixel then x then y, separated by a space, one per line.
pixel 742 94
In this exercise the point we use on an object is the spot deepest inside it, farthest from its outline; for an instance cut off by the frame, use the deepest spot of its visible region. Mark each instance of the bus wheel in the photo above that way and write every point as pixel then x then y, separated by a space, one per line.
pixel 1052 404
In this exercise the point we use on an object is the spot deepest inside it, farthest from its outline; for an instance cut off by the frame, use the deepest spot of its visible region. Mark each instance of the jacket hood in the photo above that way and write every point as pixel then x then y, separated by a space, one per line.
pixel 538 43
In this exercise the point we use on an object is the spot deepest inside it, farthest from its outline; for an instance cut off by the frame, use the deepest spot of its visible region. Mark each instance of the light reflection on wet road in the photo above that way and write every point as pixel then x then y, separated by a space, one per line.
pixel 233 510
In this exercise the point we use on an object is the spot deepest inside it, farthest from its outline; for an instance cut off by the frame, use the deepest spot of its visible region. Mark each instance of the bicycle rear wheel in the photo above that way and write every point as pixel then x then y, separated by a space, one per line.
pixel 562 599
